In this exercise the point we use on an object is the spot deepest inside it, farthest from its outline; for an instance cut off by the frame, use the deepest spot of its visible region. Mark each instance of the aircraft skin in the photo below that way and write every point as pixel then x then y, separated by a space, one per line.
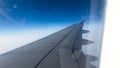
pixel 59 50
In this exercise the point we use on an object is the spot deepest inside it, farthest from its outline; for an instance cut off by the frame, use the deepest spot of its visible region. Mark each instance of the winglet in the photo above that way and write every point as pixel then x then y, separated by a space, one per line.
pixel 82 23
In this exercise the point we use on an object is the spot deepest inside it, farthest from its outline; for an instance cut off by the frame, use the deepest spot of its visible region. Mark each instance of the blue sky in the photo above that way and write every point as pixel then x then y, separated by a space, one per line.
pixel 37 14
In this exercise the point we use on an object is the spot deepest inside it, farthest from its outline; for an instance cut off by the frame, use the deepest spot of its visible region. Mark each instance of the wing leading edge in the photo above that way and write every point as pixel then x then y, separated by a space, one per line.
pixel 59 50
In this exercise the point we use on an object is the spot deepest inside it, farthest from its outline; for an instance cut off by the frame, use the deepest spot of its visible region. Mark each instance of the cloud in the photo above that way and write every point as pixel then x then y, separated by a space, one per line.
pixel 12 41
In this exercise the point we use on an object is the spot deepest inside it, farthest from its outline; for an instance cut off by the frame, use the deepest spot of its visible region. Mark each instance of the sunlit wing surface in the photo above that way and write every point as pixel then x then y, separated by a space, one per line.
pixel 59 50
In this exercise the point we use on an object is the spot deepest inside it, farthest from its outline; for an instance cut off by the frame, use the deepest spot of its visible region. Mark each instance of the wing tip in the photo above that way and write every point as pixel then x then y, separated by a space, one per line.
pixel 82 23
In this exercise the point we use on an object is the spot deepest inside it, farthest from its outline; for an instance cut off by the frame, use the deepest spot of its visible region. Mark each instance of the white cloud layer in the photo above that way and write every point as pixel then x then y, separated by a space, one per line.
pixel 9 42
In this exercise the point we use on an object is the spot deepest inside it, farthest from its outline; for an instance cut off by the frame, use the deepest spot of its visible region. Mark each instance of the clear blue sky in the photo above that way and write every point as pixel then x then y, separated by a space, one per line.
pixel 30 14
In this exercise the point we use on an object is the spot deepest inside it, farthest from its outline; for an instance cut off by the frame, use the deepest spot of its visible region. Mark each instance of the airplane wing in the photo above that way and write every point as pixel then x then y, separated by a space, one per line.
pixel 59 50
